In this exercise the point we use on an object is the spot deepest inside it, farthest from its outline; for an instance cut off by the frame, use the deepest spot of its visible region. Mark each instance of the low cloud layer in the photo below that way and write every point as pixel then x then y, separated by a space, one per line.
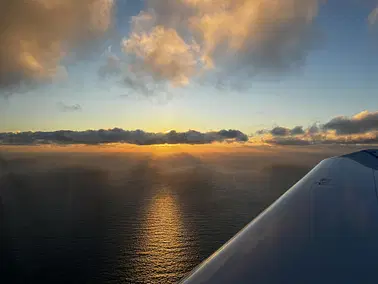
pixel 118 135
pixel 361 128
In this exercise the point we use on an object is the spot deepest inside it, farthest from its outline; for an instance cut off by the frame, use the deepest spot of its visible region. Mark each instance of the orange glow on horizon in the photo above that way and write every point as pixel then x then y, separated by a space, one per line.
pixel 159 149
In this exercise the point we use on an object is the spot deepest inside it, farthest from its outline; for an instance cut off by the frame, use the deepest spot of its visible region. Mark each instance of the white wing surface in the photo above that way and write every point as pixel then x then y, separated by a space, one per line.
pixel 323 230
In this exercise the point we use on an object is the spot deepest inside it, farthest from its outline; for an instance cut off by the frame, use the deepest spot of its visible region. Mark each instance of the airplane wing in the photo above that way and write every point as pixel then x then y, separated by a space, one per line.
pixel 322 230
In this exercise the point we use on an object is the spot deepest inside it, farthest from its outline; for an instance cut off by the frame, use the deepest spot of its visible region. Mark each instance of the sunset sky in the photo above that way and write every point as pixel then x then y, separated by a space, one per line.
pixel 304 66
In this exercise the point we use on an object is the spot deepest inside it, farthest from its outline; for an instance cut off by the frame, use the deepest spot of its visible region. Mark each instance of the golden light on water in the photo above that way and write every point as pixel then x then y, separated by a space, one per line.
pixel 163 248
pixel 159 150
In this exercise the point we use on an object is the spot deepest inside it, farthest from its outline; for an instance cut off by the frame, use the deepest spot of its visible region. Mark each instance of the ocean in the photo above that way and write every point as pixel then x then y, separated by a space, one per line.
pixel 131 217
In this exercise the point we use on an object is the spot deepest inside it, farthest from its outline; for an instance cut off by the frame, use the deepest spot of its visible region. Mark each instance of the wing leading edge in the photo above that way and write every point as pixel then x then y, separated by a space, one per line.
pixel 322 230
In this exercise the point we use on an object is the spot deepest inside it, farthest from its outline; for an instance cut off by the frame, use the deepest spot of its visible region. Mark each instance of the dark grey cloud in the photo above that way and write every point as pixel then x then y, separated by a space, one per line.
pixel 298 130
pixel 262 131
pixel 118 135
pixel 68 108
pixel 361 123
pixel 313 129
pixel 233 134
pixel 280 131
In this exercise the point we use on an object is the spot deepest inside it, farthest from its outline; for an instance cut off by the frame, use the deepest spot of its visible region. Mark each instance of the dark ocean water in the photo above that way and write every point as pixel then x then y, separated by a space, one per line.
pixel 85 218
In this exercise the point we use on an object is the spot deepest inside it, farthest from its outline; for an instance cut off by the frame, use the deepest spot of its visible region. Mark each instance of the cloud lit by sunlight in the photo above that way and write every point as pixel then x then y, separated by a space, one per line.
pixel 172 41
pixel 37 34
pixel 361 128
pixel 373 17
pixel 163 54
pixel 177 40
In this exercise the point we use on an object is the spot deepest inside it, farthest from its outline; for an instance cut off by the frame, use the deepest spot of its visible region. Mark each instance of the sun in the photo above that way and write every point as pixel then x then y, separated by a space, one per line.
pixel 167 131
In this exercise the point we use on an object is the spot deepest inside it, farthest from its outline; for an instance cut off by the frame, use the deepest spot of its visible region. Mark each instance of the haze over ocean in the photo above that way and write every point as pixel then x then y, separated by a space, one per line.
pixel 88 215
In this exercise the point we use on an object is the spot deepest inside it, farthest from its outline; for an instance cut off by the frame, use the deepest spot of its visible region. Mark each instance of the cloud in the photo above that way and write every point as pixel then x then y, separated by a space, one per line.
pixel 313 129
pixel 35 35
pixel 262 131
pixel 131 75
pixel 298 130
pixel 360 123
pixel 299 136
pixel 162 54
pixel 233 134
pixel 68 108
pixel 373 17
pixel 170 41
pixel 112 66
pixel 178 40
pixel 118 135
pixel 280 131
pixel 361 128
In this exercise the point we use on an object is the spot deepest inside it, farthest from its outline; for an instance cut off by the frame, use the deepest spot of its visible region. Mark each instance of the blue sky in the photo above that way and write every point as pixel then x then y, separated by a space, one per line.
pixel 339 77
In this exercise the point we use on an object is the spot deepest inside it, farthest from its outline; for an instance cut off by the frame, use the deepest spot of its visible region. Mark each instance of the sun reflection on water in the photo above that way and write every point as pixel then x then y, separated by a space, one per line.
pixel 164 243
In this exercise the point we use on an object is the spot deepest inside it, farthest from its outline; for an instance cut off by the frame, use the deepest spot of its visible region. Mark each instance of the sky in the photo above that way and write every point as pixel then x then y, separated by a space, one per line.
pixel 204 68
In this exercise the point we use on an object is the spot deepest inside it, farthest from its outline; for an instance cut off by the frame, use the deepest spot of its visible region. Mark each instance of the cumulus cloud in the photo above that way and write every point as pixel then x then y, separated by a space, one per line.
pixel 313 129
pixel 298 130
pixel 68 108
pixel 283 131
pixel 176 40
pixel 262 131
pixel 373 17
pixel 131 75
pixel 171 41
pixel 280 131
pixel 361 128
pixel 162 54
pixel 118 135
pixel 36 34
pixel 360 123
